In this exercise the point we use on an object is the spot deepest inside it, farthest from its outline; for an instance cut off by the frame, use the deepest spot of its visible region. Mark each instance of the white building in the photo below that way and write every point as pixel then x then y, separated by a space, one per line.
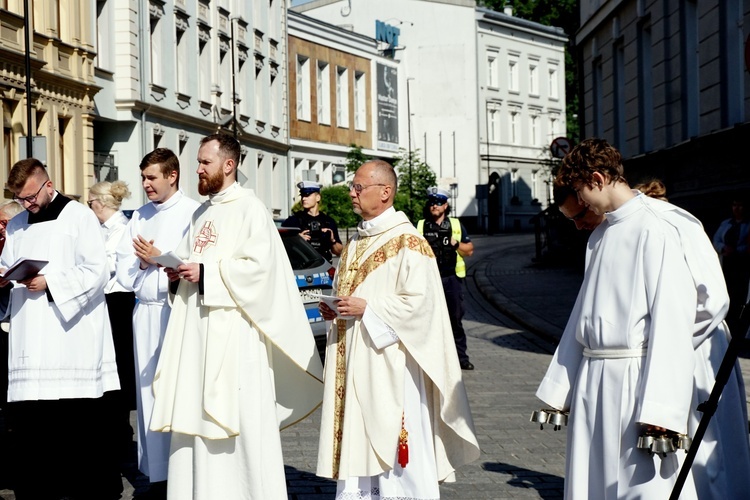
pixel 470 71
pixel 169 70
pixel 339 97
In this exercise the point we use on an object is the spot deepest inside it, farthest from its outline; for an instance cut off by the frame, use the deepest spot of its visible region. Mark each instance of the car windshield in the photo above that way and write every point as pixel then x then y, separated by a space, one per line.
pixel 301 254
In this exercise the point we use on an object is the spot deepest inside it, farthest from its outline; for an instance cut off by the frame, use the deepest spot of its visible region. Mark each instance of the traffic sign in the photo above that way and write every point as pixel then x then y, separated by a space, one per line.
pixel 560 147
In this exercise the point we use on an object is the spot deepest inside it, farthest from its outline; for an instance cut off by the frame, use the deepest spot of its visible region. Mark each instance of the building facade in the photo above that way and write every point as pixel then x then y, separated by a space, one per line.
pixel 342 92
pixel 174 71
pixel 62 50
pixel 445 49
pixel 665 81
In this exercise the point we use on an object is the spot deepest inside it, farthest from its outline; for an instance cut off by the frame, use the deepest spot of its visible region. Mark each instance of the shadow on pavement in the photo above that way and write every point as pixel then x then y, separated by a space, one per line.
pixel 547 485
pixel 303 484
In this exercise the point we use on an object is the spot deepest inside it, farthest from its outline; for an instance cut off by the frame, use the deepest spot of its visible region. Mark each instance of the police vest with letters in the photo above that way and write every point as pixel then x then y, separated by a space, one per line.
pixel 440 243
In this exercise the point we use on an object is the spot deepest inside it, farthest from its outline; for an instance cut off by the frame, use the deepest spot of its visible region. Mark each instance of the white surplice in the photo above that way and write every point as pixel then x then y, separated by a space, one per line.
pixel 112 231
pixel 626 357
pixel 239 359
pixel 400 361
pixel 723 460
pixel 60 349
pixel 166 224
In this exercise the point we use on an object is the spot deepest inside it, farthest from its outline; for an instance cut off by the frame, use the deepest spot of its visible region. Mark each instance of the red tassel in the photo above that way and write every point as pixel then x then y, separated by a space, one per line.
pixel 403 455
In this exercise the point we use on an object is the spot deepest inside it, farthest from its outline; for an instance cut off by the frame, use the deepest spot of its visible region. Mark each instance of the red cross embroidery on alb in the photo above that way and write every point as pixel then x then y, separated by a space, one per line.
pixel 206 236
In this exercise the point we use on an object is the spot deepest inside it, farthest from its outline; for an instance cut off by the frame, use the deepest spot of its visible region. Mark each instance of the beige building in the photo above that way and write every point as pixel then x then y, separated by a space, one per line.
pixel 62 89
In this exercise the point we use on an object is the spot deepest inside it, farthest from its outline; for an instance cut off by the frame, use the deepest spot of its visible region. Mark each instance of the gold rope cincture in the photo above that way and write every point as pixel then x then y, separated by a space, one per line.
pixel 350 277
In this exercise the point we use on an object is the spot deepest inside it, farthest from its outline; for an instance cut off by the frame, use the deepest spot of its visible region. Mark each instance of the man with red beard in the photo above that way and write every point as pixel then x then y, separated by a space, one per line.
pixel 156 227
pixel 239 359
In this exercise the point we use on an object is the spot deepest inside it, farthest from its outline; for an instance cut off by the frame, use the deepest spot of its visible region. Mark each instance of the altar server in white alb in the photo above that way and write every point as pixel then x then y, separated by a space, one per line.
pixel 396 419
pixel 239 360
pixel 61 358
pixel 640 309
pixel 724 455
pixel 156 227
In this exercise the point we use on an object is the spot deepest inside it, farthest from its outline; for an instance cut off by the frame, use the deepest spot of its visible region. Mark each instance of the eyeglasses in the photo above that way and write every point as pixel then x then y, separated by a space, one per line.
pixel 439 203
pixel 358 188
pixel 29 199
pixel 91 202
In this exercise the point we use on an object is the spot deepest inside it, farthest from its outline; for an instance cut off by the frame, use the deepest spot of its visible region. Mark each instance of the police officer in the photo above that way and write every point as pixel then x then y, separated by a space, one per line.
pixel 450 243
pixel 317 228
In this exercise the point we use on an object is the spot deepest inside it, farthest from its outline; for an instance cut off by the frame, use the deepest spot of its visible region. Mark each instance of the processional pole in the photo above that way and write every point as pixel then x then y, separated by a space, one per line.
pixel 709 406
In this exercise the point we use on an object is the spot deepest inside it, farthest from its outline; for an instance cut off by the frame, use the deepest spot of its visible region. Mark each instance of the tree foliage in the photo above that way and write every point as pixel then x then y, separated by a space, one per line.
pixel 355 157
pixel 336 203
pixel 562 14
pixel 412 186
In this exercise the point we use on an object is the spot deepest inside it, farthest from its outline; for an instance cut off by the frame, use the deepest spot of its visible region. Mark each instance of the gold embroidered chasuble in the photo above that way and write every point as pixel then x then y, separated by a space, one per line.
pixel 393 268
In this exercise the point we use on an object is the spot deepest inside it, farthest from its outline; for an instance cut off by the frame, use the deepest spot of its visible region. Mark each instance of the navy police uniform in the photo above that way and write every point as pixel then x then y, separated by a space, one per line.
pixel 319 239
pixel 452 269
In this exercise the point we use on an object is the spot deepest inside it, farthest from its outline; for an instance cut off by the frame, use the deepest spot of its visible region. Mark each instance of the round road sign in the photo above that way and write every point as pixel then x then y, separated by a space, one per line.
pixel 560 147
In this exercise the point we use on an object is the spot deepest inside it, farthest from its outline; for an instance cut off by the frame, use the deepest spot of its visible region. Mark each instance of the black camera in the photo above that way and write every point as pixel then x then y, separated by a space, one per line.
pixel 314 228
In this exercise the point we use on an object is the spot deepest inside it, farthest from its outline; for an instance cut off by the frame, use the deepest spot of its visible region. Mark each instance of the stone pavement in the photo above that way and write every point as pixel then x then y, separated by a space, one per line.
pixel 516 311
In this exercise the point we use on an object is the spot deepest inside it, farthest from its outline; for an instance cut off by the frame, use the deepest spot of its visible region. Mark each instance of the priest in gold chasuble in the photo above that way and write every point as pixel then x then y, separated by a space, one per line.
pixel 396 419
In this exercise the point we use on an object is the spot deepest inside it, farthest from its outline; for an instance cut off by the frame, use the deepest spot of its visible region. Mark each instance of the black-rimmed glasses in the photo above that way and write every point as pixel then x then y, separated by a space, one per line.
pixel 29 199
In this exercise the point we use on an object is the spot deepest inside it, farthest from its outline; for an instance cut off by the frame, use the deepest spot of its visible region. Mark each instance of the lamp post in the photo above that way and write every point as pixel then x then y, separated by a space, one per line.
pixel 408 112
pixel 27 62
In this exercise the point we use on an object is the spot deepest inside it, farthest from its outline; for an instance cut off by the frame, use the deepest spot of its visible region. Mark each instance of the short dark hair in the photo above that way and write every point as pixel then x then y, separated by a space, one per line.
pixel 561 193
pixel 590 156
pixel 21 172
pixel 167 160
pixel 229 147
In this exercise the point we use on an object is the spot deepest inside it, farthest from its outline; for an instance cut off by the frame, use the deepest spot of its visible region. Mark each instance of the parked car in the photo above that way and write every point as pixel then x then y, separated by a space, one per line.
pixel 314 275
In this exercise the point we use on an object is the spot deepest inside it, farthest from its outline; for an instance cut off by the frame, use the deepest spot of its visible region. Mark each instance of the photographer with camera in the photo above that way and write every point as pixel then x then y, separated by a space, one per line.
pixel 316 227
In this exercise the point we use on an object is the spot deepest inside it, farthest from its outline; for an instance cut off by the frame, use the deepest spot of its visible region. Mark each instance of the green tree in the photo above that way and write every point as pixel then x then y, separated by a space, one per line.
pixel 355 157
pixel 412 183
pixel 336 204
pixel 562 14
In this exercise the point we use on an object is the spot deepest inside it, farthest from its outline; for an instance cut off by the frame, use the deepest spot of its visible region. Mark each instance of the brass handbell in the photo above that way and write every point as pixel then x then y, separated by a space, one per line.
pixel 645 442
pixel 663 445
pixel 555 417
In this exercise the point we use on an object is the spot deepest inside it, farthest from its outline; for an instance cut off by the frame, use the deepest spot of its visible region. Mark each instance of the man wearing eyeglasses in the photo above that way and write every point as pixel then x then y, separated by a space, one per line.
pixel 61 358
pixel 390 354
pixel 451 243
pixel 316 227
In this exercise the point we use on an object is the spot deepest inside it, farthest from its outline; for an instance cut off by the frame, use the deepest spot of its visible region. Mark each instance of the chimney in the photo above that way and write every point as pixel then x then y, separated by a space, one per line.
pixel 508 9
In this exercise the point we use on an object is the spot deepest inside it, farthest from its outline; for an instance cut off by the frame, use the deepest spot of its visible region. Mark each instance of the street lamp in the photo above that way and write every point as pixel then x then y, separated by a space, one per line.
pixel 408 112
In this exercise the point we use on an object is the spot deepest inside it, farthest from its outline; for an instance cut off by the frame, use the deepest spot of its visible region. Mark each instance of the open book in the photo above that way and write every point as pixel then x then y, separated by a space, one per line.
pixel 23 269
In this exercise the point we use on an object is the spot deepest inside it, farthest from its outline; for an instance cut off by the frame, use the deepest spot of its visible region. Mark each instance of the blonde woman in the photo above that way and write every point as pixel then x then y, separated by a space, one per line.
pixel 105 199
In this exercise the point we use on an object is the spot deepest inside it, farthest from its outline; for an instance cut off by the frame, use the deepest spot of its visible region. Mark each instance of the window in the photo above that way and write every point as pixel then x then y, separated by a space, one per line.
pixel 103 44
pixel 514 126
pixel 534 129
pixel 157 49
pixel 492 80
pixel 204 71
pixel 360 101
pixel 342 97
pixel 618 94
pixel 324 93
pixel 553 82
pixel 689 62
pixel 533 79
pixel 513 73
pixel 554 127
pixel 493 120
pixel 181 61
pixel 303 88
pixel 645 89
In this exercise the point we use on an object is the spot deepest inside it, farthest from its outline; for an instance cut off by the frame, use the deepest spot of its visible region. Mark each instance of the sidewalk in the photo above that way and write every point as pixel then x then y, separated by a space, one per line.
pixel 539 297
